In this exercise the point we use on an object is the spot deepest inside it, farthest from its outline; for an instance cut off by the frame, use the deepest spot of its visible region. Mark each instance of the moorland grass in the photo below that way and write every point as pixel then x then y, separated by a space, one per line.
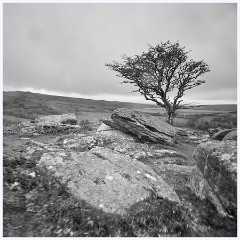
pixel 52 212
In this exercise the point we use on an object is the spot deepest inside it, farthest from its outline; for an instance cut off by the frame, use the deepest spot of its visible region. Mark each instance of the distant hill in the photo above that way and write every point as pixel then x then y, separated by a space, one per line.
pixel 30 105
pixel 219 107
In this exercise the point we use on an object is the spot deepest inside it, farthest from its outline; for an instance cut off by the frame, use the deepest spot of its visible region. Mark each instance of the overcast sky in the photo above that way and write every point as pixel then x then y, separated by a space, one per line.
pixel 62 48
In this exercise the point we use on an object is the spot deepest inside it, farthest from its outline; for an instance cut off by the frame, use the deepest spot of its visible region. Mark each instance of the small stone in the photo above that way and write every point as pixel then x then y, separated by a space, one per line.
pixel 14 185
pixel 109 177
pixel 119 149
pixel 226 156
pixel 151 177
pixel 90 223
pixel 139 155
pixel 33 174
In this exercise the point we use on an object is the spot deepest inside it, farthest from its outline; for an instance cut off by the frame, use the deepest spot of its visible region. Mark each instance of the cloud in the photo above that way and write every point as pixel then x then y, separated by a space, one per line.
pixel 64 47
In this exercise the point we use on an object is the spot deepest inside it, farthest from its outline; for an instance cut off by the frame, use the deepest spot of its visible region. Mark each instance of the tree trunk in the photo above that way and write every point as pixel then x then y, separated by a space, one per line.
pixel 169 117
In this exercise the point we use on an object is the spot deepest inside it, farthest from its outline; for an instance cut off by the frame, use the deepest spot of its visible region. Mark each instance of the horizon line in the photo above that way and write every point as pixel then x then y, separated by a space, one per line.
pixel 75 95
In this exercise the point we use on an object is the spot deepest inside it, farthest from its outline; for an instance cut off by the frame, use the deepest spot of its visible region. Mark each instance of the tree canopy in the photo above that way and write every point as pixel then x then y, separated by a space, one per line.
pixel 161 70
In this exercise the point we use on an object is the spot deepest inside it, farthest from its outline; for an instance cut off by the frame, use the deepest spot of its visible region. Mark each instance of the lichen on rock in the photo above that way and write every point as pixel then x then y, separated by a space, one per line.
pixel 106 178
pixel 218 163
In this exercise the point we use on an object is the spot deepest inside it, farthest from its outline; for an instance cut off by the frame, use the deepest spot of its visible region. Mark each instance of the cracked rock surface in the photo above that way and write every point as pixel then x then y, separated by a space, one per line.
pixel 68 118
pixel 145 127
pixel 217 162
pixel 105 178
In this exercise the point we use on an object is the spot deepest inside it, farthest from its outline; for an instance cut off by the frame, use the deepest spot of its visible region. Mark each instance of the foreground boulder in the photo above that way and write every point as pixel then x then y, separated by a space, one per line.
pixel 105 179
pixel 173 167
pixel 146 128
pixel 68 118
pixel 199 185
pixel 217 161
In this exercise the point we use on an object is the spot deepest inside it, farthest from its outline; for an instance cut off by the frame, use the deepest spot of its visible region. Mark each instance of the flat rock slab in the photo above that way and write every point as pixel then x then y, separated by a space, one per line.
pixel 217 161
pixel 68 118
pixel 145 127
pixel 105 179
pixel 107 131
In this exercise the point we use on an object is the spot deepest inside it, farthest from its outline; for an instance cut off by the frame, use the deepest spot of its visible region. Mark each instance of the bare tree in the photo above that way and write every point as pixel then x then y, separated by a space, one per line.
pixel 163 69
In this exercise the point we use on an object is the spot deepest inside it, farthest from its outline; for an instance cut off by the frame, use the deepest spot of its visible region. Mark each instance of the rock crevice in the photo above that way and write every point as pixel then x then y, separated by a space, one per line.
pixel 146 128
pixel 118 193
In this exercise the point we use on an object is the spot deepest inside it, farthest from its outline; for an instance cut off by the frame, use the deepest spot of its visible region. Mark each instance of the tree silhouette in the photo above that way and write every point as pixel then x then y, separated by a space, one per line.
pixel 163 69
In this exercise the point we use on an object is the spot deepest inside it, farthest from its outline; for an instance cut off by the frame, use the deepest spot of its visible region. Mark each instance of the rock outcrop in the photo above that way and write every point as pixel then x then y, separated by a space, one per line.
pixel 105 179
pixel 232 136
pixel 68 118
pixel 172 166
pixel 197 137
pixel 199 185
pixel 217 161
pixel 182 135
pixel 221 134
pixel 146 128
pixel 107 131
pixel 49 124
pixel 212 131
pixel 44 128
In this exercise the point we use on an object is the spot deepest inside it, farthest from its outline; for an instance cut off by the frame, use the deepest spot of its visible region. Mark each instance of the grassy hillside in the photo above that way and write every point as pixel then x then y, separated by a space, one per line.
pixel 26 105
pixel 219 107
pixel 29 105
